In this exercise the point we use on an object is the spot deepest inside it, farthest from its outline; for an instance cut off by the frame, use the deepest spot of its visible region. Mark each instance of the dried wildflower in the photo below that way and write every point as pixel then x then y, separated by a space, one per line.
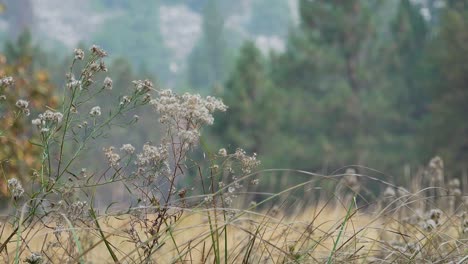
pixel 108 83
pixel 83 173
pixel 227 200
pixel 125 100
pixel 143 86
pixel 222 152
pixel 152 156
pixel 72 83
pixel 464 223
pixel 47 120
pixel 6 81
pixel 248 163
pixel 188 137
pixel 191 110
pixel 389 192
pixel 36 122
pixel 128 148
pixel 214 167
pixel 182 193
pixel 208 198
pixel 435 214
pixel 77 210
pixel 436 169
pixel 351 180
pixel 102 66
pixel 231 189
pixel 96 50
pixel 2 97
pixel 95 111
pixel 22 104
pixel 429 225
pixel 79 54
pixel 112 157
pixel 255 181
pixel 15 187
pixel 34 258
pixel 454 183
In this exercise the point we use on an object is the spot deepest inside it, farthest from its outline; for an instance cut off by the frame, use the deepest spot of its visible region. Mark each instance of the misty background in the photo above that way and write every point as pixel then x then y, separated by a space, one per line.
pixel 313 85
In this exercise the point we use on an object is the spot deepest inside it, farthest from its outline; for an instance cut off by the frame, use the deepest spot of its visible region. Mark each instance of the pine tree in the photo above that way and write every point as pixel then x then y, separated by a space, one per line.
pixel 444 132
pixel 324 70
pixel 207 62
pixel 251 120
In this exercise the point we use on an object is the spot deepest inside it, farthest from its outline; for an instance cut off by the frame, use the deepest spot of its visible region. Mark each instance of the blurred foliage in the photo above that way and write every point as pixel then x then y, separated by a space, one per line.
pixel 445 129
pixel 207 63
pixel 355 91
pixel 373 83
pixel 136 34
pixel 18 156
pixel 252 118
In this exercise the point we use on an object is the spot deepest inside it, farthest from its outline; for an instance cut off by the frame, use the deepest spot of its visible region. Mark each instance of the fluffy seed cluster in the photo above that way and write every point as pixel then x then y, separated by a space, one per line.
pixel 185 115
pixel 95 111
pixel 47 120
pixel 248 163
pixel 23 106
pixel 465 223
pixel 97 51
pixel 77 210
pixel 433 220
pixel 351 180
pixel 6 81
pixel 34 258
pixel 112 157
pixel 190 108
pixel 79 54
pixel 128 148
pixel 152 156
pixel 222 152
pixel 15 187
pixel 108 83
pixel 389 193
pixel 436 169
pixel 143 86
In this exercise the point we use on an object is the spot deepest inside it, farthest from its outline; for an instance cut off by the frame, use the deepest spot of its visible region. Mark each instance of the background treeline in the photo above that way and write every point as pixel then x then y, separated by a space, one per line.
pixel 380 84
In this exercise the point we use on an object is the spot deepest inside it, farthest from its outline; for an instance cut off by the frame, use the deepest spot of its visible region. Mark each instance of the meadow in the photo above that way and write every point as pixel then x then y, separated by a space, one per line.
pixel 225 216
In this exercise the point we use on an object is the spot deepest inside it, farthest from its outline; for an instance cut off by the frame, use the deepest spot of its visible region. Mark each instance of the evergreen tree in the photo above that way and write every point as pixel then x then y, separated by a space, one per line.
pixel 251 119
pixel 444 133
pixel 329 121
pixel 208 61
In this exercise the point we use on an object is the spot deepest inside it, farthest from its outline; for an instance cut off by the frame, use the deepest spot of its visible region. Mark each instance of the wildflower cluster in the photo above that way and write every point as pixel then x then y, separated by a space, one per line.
pixel 79 54
pixel 432 220
pixel 128 148
pixel 34 258
pixel 107 83
pixel 15 187
pixel 95 111
pixel 23 106
pixel 248 163
pixel 185 115
pixel 47 120
pixel 465 223
pixel 113 158
pixel 6 81
pixel 98 52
